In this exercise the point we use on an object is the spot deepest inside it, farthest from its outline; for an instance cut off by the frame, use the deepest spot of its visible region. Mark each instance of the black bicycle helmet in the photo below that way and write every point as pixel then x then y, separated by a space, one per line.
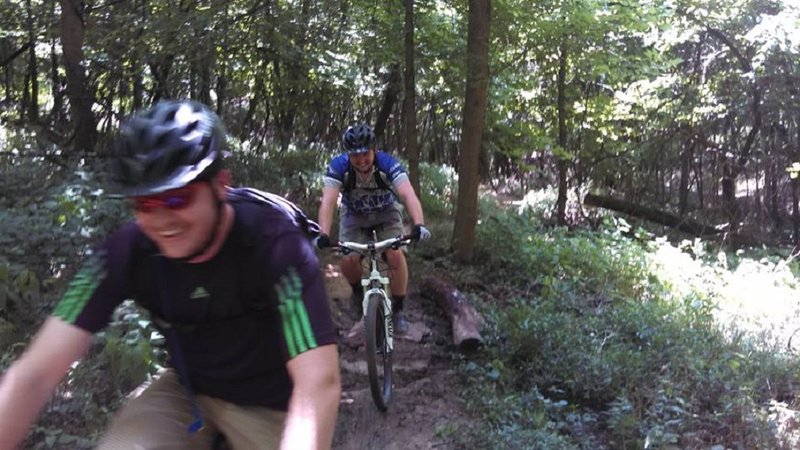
pixel 168 146
pixel 358 139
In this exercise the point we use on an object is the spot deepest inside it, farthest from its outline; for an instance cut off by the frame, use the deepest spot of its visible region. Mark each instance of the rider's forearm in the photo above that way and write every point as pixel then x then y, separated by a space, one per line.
pixel 28 384
pixel 312 417
pixel 326 209
pixel 315 399
pixel 21 400
pixel 411 202
pixel 325 218
pixel 414 208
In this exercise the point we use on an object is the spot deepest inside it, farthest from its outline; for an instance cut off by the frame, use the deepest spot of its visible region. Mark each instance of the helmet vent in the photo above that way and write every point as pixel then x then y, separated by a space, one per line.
pixel 170 117
pixel 163 139
pixel 192 126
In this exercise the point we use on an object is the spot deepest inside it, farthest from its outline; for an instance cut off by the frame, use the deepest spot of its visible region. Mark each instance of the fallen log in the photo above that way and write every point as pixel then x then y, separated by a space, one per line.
pixel 464 319
pixel 654 215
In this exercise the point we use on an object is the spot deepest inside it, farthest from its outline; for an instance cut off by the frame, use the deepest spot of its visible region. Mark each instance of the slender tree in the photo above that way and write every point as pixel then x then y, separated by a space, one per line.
pixel 410 98
pixel 33 67
pixel 73 28
pixel 561 160
pixel 475 99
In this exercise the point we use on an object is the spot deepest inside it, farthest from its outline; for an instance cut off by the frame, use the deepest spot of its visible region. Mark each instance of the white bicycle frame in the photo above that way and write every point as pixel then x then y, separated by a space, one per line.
pixel 376 283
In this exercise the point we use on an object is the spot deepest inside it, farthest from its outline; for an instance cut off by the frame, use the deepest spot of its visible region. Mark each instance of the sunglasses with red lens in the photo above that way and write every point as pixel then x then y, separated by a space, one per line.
pixel 173 200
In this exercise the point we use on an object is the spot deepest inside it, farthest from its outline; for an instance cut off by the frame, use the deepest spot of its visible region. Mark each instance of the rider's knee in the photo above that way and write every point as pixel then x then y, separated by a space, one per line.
pixel 395 257
pixel 350 261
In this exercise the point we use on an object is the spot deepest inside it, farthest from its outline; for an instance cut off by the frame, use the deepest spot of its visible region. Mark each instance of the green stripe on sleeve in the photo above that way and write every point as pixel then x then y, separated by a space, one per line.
pixel 297 332
pixel 80 290
pixel 287 330
pixel 296 324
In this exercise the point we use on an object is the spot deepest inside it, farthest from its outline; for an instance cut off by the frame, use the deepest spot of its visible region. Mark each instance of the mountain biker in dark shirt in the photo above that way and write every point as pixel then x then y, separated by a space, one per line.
pixel 231 279
pixel 371 184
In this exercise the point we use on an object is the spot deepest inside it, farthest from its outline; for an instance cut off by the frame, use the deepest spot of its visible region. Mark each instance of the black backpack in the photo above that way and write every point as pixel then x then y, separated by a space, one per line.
pixel 309 227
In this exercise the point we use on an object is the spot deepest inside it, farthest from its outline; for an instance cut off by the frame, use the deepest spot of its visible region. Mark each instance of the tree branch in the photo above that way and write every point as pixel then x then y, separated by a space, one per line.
pixel 20 51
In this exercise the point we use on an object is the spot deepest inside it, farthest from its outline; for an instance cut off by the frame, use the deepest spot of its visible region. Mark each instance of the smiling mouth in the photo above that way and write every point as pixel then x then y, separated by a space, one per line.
pixel 169 233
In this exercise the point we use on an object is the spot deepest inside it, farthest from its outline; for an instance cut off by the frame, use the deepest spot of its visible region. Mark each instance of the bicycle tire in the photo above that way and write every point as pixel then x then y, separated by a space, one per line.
pixel 379 357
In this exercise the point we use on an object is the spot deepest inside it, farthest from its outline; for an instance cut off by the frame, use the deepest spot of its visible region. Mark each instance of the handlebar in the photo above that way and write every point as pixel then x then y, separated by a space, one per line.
pixel 394 243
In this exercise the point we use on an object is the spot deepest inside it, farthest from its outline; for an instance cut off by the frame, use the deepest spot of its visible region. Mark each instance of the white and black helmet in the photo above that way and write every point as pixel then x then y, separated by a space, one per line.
pixel 358 139
pixel 168 146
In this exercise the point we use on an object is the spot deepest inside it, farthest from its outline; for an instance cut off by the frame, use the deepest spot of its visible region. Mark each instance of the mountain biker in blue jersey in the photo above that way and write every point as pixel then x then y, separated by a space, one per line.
pixel 230 277
pixel 371 183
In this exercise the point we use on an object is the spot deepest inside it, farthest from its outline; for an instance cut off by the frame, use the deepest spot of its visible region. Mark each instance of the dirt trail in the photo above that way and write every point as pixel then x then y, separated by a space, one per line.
pixel 426 407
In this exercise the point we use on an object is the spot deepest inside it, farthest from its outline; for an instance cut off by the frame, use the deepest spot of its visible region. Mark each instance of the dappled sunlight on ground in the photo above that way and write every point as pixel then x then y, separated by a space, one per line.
pixel 758 299
pixel 331 271
pixel 787 424
pixel 761 299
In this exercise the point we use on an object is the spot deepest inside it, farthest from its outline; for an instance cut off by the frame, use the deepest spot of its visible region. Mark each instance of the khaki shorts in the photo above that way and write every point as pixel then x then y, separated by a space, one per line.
pixel 387 225
pixel 158 419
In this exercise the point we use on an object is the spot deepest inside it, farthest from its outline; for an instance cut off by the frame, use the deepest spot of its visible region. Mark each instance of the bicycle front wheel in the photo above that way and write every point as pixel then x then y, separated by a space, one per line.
pixel 379 354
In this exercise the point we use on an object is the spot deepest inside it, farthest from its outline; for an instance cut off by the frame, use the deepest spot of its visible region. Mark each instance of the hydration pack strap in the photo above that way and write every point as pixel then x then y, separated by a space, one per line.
pixel 381 181
pixel 171 334
pixel 308 226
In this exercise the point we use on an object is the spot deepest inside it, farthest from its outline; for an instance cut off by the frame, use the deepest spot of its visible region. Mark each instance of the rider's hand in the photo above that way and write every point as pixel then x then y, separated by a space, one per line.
pixel 421 233
pixel 322 241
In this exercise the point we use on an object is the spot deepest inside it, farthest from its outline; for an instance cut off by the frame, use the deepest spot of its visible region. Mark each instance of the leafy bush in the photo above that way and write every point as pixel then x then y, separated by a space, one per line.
pixel 295 173
pixel 51 213
pixel 626 337
pixel 573 266
pixel 439 188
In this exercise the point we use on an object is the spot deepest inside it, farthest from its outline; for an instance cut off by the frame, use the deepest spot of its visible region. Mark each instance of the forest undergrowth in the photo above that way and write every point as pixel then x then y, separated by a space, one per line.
pixel 615 338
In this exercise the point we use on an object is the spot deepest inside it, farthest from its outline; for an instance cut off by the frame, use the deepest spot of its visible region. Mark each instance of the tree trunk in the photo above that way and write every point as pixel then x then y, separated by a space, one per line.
pixel 222 76
pixel 297 74
pixel 5 48
pixel 698 174
pixel 55 88
pixel 475 96
pixel 772 180
pixel 410 99
pixel 464 319
pixel 160 67
pixel 796 193
pixel 33 67
pixel 389 100
pixel 138 83
pixel 561 200
pixel 686 174
pixel 80 99
pixel 795 184
pixel 729 195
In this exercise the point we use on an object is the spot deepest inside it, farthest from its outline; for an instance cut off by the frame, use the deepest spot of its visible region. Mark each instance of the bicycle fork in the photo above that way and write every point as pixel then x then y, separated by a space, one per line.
pixel 380 283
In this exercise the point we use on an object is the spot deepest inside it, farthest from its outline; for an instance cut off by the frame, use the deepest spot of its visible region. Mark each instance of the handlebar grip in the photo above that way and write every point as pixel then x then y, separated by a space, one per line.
pixel 404 240
pixel 343 250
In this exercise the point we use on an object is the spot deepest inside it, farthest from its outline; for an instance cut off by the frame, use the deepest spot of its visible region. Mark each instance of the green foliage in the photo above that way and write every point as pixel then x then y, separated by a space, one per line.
pixel 51 212
pixel 439 186
pixel 47 222
pixel 561 264
pixel 605 336
pixel 295 173
pixel 131 348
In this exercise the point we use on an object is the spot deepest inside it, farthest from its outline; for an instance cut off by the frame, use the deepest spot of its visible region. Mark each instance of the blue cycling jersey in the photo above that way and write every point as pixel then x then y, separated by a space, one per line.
pixel 367 196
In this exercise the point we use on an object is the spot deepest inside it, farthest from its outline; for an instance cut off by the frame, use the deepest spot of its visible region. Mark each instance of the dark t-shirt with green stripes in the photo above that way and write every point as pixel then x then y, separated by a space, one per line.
pixel 240 316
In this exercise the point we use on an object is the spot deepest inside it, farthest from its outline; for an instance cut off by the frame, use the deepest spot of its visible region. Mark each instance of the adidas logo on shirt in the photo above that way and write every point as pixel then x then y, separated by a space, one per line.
pixel 199 292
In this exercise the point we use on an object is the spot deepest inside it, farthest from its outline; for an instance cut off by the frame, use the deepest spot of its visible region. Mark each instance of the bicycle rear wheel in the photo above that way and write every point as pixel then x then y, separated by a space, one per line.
pixel 379 355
